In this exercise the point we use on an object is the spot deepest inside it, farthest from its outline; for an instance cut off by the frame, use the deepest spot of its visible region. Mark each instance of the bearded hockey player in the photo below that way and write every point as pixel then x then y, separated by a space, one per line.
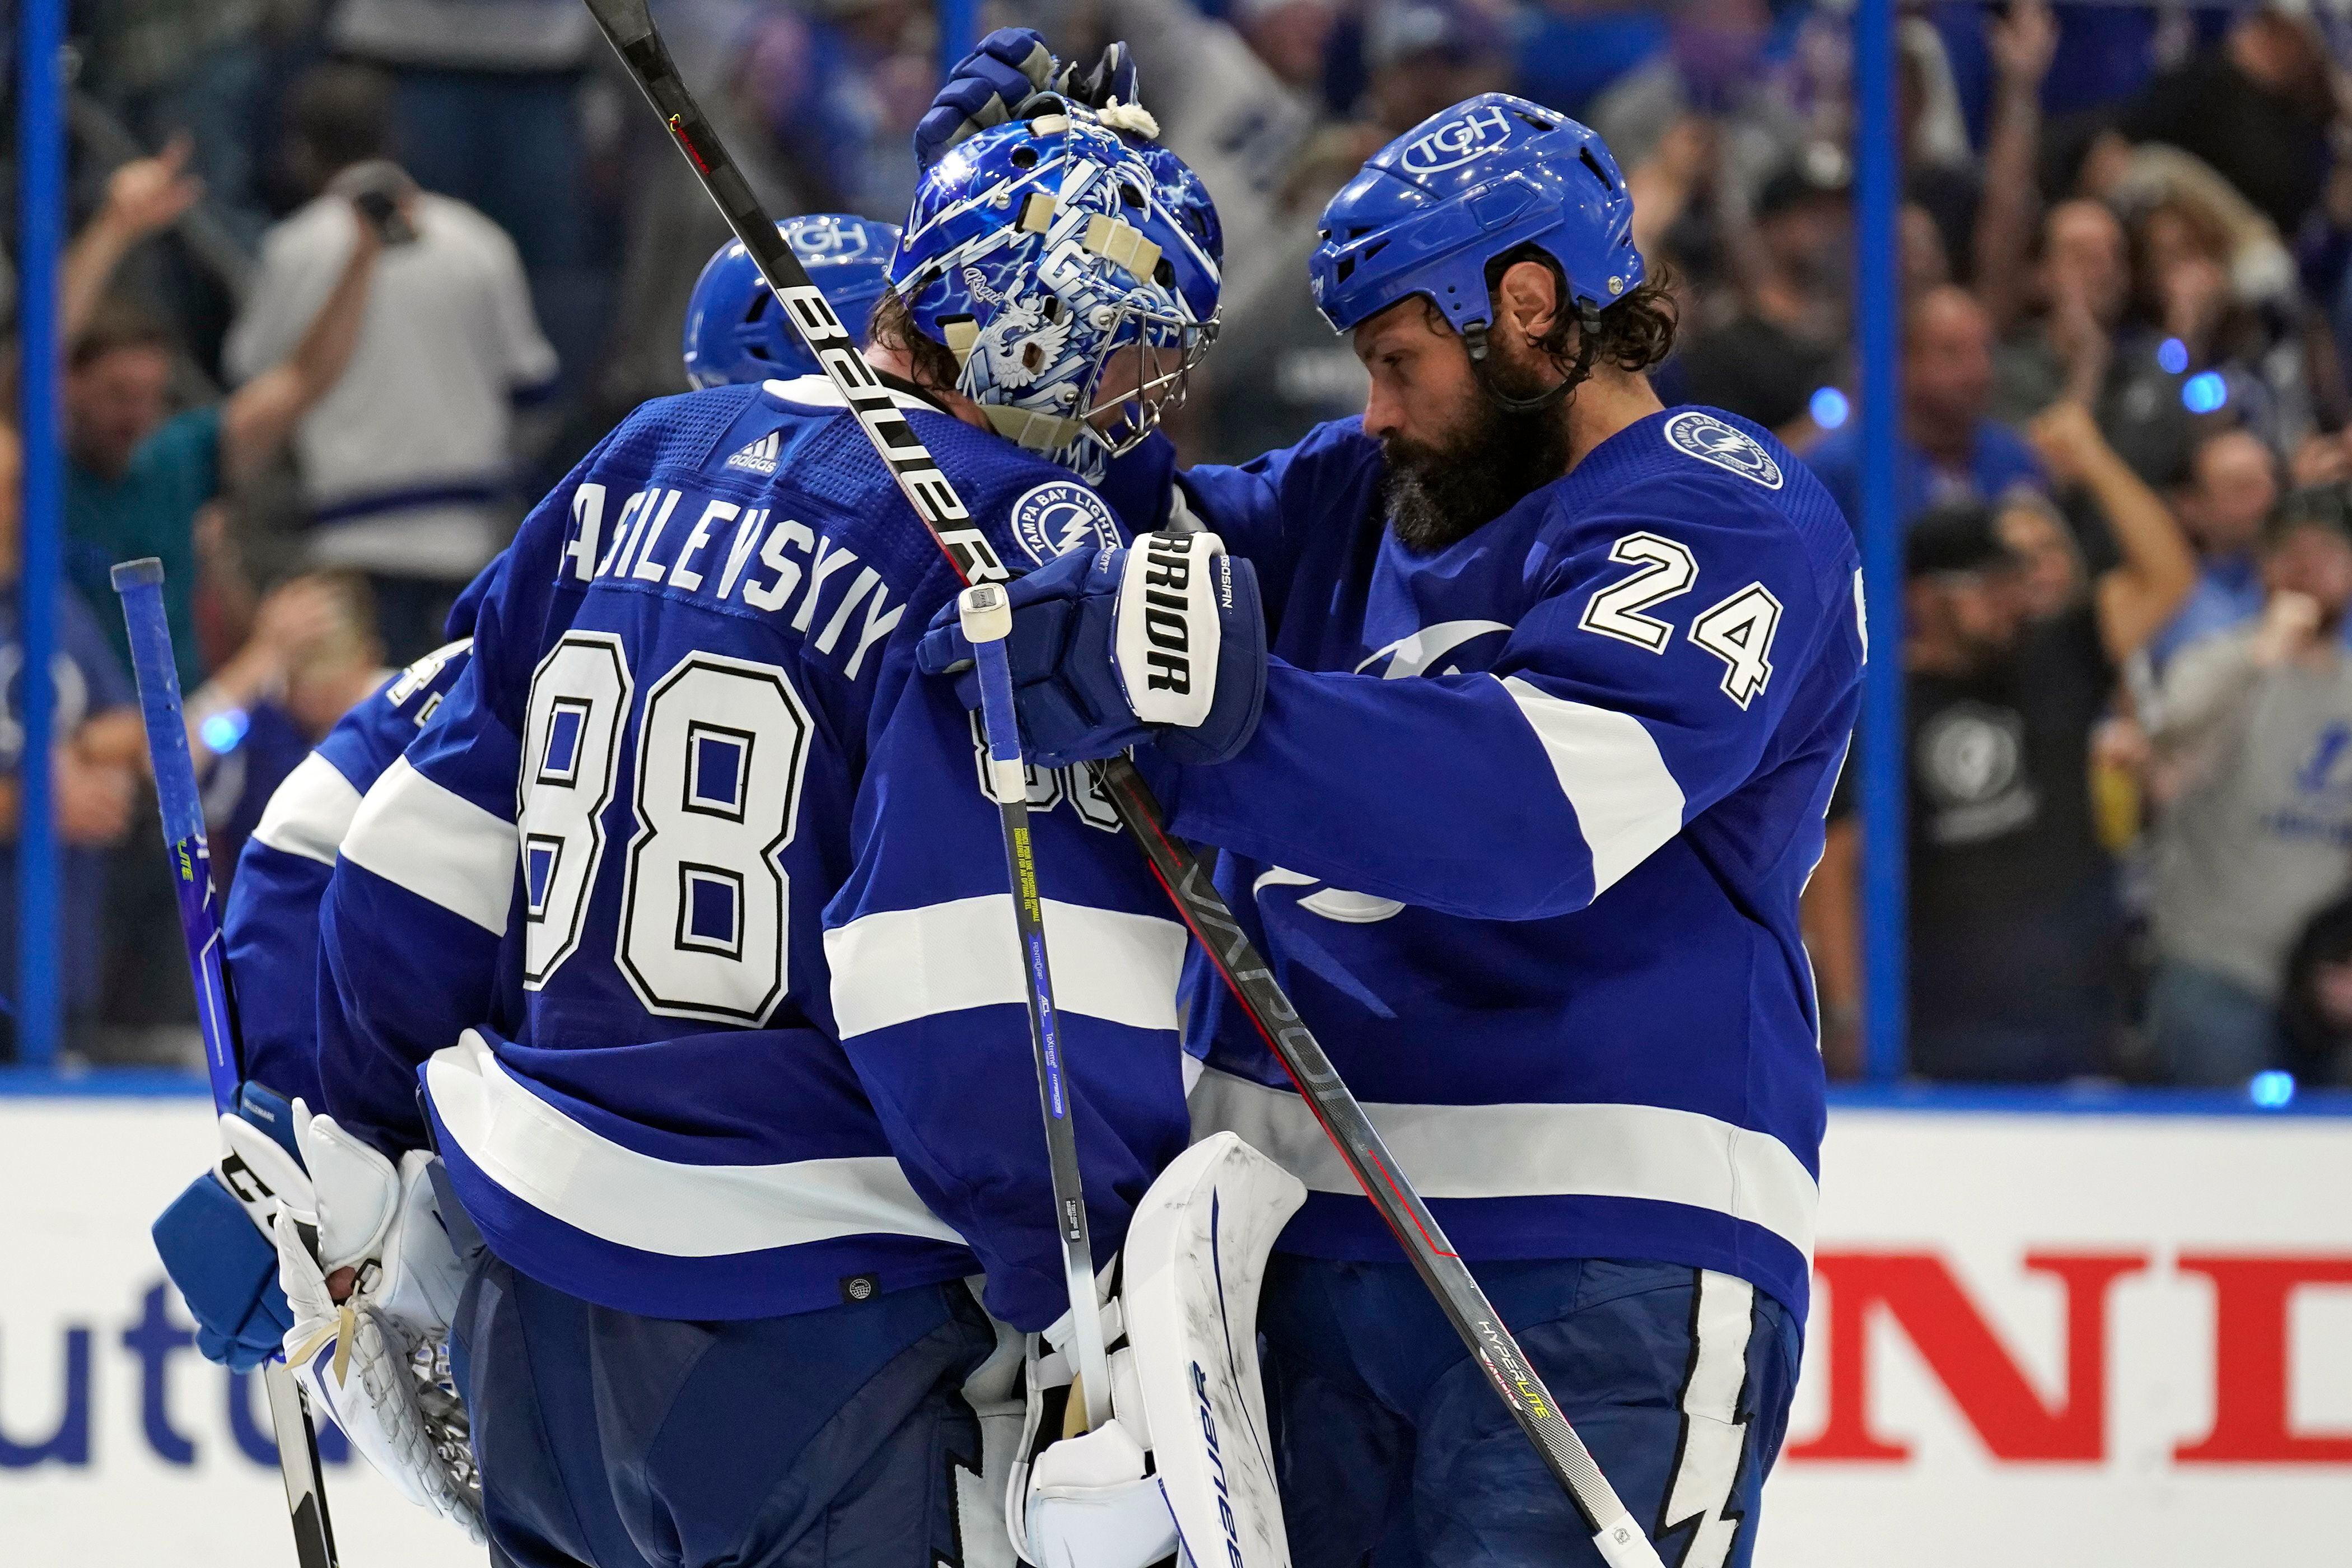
pixel 216 1239
pixel 690 918
pixel 1561 681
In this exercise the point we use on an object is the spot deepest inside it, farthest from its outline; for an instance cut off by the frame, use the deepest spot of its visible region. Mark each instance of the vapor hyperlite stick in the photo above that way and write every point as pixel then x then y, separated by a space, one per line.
pixel 987 620
pixel 140 584
pixel 629 27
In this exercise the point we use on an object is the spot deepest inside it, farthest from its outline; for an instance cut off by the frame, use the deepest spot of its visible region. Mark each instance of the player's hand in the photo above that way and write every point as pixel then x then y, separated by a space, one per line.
pixel 1161 643
pixel 987 88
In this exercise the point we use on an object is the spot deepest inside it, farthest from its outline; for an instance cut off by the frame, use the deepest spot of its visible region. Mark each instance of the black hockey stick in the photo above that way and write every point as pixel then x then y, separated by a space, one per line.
pixel 141 585
pixel 629 27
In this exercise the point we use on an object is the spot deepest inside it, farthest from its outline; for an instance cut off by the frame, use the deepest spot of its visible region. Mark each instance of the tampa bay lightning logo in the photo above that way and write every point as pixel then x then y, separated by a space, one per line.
pixel 1710 440
pixel 1455 142
pixel 1057 516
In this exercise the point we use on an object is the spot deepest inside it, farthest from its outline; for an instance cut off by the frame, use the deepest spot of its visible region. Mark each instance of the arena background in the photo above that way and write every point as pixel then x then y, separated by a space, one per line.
pixel 2102 1319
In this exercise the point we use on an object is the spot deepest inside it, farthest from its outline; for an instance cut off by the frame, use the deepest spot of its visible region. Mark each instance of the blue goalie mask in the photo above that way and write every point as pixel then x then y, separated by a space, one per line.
pixel 736 332
pixel 1430 210
pixel 1073 279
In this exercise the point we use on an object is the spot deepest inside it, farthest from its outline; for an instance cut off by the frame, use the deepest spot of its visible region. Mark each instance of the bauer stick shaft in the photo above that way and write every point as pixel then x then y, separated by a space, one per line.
pixel 628 25
pixel 140 584
pixel 987 620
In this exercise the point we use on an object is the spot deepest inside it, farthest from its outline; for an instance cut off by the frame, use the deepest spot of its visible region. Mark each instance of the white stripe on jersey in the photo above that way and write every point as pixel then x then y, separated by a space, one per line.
pixel 310 812
pixel 1627 802
pixel 1536 1151
pixel 436 843
pixel 575 1174
pixel 895 966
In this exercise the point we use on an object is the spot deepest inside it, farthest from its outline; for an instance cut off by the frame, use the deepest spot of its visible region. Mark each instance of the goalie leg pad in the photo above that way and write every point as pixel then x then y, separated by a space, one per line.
pixel 1196 1255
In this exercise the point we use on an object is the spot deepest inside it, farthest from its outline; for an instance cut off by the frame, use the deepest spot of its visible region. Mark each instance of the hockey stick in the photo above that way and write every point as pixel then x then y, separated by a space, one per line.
pixel 140 584
pixel 987 620
pixel 629 27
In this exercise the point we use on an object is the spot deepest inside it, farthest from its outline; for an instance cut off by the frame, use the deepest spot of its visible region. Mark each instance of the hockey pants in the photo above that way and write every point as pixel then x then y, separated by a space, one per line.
pixel 825 1439
pixel 1393 1451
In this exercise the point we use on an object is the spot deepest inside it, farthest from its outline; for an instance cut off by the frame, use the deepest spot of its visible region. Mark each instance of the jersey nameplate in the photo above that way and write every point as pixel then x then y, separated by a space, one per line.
pixel 728 553
pixel 1710 440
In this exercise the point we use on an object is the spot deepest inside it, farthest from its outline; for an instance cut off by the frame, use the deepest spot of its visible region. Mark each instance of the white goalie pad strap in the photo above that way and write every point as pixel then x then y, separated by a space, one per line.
pixel 354 1363
pixel 1166 641
pixel 1196 1256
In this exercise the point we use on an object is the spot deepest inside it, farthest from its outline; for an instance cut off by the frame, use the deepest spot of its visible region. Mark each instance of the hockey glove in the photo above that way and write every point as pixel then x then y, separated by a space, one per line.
pixel 377 1362
pixel 999 81
pixel 216 1239
pixel 987 88
pixel 1161 641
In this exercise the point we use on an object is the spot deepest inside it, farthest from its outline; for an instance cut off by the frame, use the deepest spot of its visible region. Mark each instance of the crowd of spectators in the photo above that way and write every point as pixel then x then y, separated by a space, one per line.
pixel 382 268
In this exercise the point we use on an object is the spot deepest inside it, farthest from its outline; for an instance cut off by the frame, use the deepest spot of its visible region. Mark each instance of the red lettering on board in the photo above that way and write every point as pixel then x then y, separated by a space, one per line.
pixel 1985 1383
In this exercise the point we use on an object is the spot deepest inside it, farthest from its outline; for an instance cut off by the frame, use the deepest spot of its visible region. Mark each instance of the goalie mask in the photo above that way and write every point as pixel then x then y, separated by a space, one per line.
pixel 1048 257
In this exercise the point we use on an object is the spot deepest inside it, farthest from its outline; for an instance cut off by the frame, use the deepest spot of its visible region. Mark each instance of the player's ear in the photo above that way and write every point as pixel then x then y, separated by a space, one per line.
pixel 1528 298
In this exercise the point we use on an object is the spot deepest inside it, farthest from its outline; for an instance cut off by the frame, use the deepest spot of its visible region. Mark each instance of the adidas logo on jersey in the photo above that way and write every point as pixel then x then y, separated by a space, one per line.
pixel 759 456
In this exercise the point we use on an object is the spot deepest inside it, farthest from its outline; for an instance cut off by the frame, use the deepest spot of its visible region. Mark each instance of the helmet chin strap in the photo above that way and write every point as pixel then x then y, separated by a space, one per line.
pixel 1473 338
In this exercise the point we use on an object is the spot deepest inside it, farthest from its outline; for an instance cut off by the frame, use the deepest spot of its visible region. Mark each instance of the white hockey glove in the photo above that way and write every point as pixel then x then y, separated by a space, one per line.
pixel 378 1361
pixel 1090 1500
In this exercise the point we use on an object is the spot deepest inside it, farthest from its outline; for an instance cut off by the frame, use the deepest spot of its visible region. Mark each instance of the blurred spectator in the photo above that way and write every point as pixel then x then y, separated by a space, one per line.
pixel 1427 56
pixel 94 767
pixel 489 95
pixel 2233 483
pixel 405 462
pixel 1715 66
pixel 1768 361
pixel 2257 106
pixel 2254 730
pixel 1951 448
pixel 2011 650
pixel 2316 1010
pixel 314 656
pixel 137 473
pixel 840 84
pixel 1234 100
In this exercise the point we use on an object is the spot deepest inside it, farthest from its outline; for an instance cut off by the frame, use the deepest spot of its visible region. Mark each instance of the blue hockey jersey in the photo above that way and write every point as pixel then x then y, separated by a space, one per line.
pixel 269 929
pixel 1523 833
pixel 705 868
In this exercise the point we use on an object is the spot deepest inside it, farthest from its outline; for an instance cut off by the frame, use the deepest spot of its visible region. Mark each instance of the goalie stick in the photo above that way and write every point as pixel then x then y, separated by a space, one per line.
pixel 987 620
pixel 140 584
pixel 628 26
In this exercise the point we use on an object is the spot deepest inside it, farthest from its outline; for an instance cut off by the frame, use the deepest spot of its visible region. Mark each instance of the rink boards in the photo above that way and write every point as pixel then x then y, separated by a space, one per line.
pixel 2038 1338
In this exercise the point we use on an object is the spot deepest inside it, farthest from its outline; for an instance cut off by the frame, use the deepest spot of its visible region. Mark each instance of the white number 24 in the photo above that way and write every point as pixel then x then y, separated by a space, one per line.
pixel 1738 631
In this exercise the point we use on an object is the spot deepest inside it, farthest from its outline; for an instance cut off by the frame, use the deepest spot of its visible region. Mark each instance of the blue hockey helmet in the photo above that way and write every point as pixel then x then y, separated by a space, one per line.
pixel 1042 251
pixel 1430 210
pixel 734 331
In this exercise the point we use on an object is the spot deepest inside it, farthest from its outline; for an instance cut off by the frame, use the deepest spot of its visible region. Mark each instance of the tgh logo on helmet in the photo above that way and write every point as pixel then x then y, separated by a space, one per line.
pixel 1456 141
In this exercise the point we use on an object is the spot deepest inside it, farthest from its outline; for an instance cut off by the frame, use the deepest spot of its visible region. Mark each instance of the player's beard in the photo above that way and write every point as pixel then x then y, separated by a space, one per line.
pixel 1436 493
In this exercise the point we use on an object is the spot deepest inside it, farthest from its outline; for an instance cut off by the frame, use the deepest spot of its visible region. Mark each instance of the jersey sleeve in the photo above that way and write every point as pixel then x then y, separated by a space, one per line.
pixel 423 891
pixel 929 997
pixel 269 930
pixel 1527 790
pixel 1261 509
